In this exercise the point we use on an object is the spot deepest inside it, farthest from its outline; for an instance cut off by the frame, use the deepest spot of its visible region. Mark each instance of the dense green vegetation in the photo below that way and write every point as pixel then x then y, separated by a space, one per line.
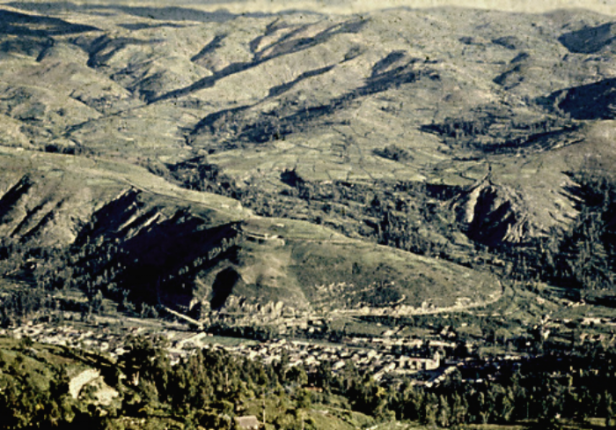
pixel 205 390
pixel 544 391
pixel 415 217
pixel 210 387
pixel 581 257
pixel 404 215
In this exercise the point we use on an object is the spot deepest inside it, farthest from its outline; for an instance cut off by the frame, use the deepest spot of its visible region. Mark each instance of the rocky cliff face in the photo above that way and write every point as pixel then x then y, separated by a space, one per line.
pixel 493 215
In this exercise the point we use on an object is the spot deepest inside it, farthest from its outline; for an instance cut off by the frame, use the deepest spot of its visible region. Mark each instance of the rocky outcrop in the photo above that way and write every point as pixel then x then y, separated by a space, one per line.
pixel 493 214
pixel 81 380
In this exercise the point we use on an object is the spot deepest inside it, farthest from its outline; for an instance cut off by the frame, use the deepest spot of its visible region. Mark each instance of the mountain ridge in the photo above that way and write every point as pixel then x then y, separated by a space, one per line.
pixel 380 128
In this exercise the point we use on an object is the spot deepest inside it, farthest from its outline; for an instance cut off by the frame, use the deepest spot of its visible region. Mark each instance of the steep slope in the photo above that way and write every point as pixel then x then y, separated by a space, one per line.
pixel 492 214
pixel 147 131
pixel 129 230
pixel 327 94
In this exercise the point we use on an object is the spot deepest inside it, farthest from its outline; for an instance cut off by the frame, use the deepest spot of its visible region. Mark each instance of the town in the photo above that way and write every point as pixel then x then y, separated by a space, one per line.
pixel 387 357
pixel 369 355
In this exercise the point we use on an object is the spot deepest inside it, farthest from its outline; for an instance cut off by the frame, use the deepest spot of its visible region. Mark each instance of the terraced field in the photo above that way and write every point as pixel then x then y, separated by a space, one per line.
pixel 273 156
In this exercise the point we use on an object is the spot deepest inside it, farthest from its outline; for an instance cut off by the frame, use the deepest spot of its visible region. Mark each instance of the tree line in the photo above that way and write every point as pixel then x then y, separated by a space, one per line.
pixel 581 257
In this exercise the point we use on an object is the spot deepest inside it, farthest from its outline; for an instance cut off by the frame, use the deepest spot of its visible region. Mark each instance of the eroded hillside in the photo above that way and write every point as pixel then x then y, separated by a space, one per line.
pixel 129 234
pixel 297 156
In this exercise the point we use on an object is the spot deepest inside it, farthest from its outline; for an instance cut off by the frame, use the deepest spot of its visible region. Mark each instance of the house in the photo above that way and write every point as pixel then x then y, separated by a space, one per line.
pixel 388 367
pixel 248 422
pixel 338 365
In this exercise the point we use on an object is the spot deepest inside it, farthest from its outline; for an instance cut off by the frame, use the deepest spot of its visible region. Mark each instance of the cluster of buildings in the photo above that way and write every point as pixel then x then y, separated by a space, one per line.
pixel 375 355
pixel 310 355
pixel 386 357
pixel 66 335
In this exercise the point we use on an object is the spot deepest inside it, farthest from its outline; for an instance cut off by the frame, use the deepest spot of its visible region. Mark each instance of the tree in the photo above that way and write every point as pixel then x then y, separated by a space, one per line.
pixel 298 375
pixel 608 406
pixel 459 408
pixel 444 412
pixel 323 376
pixel 96 302
pixel 590 264
pixel 428 411
pixel 146 358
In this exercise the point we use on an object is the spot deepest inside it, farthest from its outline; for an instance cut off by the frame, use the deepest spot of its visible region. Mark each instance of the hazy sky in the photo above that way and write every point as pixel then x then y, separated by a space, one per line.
pixel 605 6
pixel 351 6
